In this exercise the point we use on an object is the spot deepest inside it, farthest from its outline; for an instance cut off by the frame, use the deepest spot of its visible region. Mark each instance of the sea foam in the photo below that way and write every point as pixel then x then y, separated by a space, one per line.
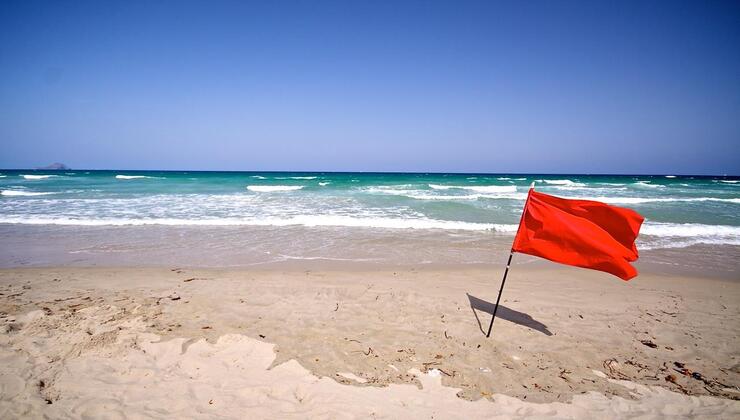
pixel 690 230
pixel 33 177
pixel 575 186
pixel 304 220
pixel 647 184
pixel 476 196
pixel 719 234
pixel 566 182
pixel 11 193
pixel 296 177
pixel 273 188
pixel 640 200
pixel 405 191
pixel 134 177
pixel 477 188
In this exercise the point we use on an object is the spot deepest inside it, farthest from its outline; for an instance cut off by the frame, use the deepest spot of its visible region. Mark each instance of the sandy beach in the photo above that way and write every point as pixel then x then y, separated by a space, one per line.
pixel 304 210
pixel 348 343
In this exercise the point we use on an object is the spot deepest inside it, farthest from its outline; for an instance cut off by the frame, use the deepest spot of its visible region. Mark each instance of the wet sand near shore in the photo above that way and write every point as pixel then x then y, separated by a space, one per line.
pixel 296 248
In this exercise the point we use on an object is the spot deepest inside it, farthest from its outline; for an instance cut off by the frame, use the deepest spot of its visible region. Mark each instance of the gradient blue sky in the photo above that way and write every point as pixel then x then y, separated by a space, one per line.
pixel 520 86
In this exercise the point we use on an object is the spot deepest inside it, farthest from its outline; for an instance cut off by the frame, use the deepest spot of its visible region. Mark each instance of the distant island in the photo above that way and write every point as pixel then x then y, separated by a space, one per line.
pixel 56 166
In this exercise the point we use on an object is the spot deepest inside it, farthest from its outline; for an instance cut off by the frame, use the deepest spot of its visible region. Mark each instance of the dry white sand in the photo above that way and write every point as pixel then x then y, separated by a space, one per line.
pixel 151 343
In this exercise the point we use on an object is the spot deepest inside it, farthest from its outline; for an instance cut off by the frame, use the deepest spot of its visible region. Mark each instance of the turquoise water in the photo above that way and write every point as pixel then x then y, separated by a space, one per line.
pixel 680 211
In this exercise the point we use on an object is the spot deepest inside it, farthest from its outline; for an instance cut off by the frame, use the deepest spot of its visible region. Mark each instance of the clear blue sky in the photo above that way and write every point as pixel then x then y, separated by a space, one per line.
pixel 520 86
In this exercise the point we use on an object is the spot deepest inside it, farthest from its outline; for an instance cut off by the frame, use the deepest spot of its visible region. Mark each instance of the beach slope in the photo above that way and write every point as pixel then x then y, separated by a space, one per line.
pixel 156 342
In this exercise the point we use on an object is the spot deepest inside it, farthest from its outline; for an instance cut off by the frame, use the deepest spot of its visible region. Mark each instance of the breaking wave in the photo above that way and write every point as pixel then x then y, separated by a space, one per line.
pixel 566 182
pixel 481 188
pixel 308 221
pixel 135 177
pixel 682 235
pixel 476 196
pixel 639 200
pixel 652 234
pixel 12 193
pixel 690 230
pixel 647 184
pixel 273 188
pixel 296 177
pixel 32 177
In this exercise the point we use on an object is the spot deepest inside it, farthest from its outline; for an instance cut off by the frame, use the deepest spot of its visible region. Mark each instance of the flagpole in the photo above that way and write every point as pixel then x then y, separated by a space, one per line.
pixel 503 281
pixel 508 264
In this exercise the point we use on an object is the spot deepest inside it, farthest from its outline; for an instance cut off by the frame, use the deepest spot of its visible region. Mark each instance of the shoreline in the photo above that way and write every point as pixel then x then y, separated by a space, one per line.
pixel 316 248
pixel 556 327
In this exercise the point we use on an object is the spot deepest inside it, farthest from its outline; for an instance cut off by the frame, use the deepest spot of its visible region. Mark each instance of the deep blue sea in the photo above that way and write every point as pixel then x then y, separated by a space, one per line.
pixel 680 211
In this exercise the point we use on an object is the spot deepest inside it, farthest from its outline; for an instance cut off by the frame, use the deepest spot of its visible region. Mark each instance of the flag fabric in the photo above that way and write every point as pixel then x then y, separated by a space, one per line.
pixel 582 233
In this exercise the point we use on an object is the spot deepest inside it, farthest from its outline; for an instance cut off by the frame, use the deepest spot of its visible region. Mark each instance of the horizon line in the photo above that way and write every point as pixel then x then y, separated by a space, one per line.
pixel 380 172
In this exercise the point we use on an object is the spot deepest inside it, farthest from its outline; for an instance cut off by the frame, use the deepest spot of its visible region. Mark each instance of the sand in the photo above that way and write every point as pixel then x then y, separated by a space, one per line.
pixel 195 343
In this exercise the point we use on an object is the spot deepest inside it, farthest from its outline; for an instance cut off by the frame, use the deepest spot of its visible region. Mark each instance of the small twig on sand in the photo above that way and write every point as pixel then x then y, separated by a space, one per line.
pixel 612 365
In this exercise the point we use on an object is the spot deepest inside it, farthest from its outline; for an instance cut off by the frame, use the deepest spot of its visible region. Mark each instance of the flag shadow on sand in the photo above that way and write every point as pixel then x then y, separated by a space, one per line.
pixel 505 313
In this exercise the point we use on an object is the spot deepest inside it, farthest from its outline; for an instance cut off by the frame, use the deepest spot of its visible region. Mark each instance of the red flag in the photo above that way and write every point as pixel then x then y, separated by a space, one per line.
pixel 582 233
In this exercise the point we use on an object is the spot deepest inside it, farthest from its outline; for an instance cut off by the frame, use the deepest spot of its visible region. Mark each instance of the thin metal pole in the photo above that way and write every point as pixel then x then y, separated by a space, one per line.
pixel 508 263
pixel 503 281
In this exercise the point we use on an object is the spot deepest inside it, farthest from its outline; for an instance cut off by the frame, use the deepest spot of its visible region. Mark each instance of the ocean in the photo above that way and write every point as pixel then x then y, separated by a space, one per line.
pixel 321 215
